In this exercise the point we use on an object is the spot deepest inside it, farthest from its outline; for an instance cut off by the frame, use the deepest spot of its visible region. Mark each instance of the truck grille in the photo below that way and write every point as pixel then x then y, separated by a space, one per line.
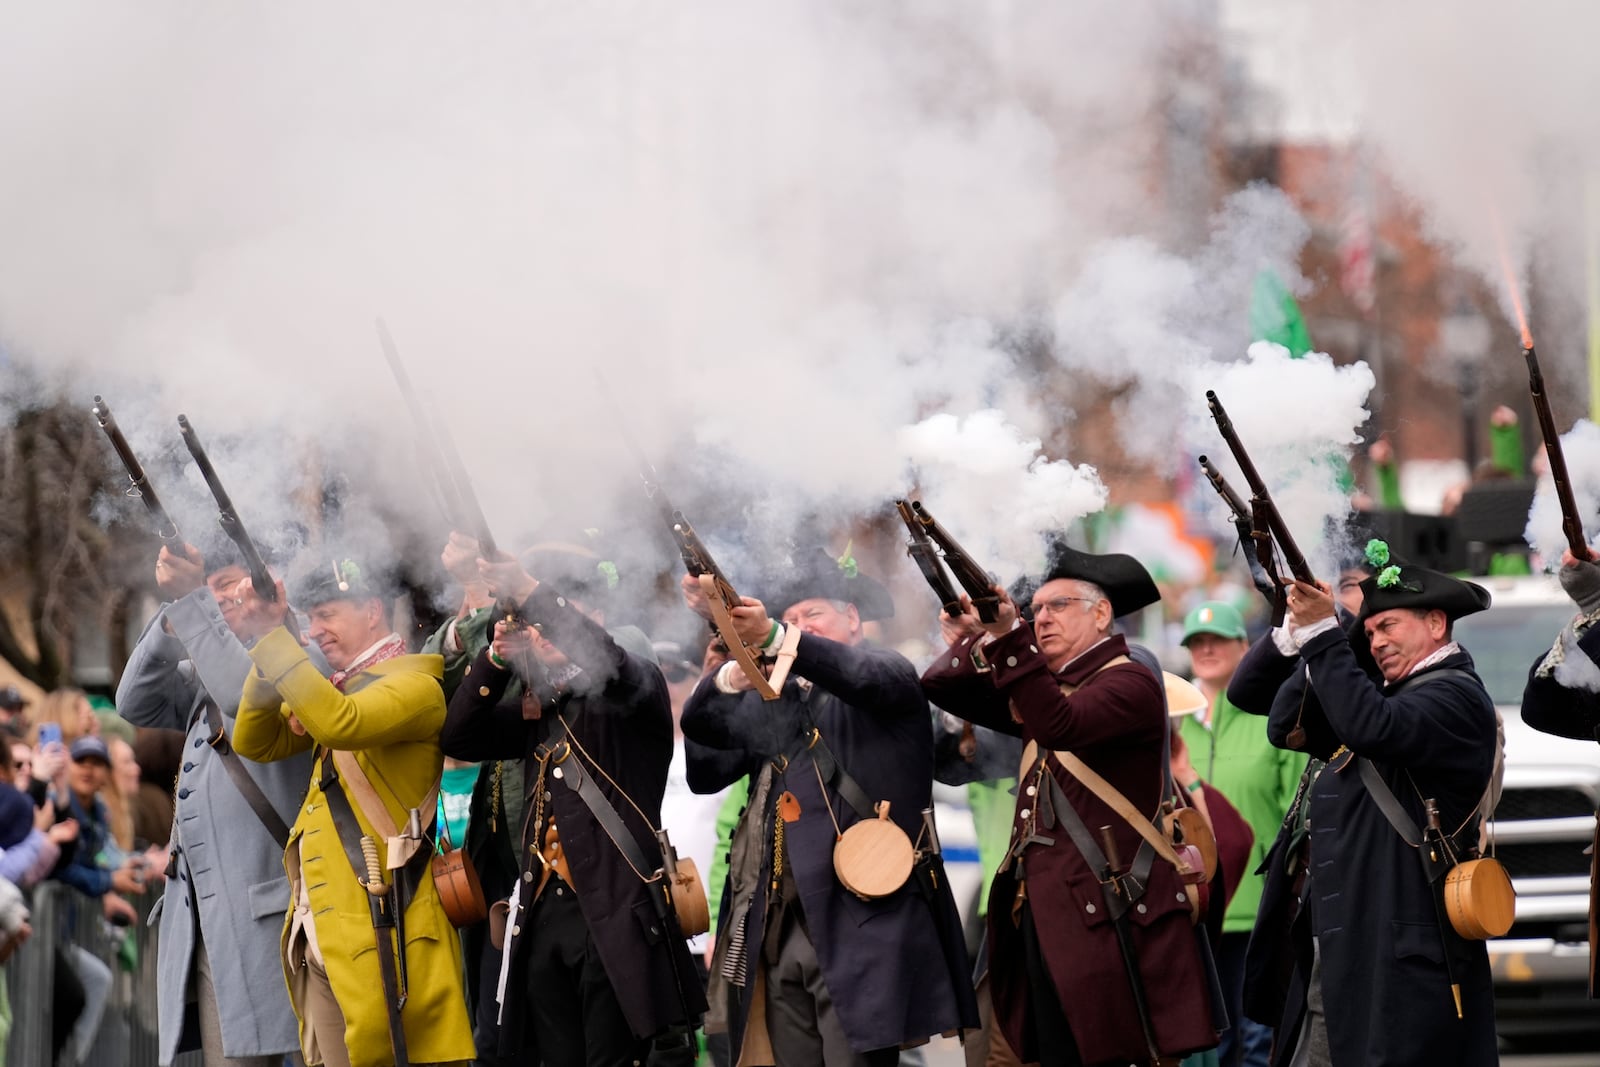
pixel 1519 804
pixel 1544 859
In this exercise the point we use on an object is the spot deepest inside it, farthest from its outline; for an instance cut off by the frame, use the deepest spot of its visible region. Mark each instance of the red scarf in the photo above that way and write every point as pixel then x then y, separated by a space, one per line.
pixel 391 647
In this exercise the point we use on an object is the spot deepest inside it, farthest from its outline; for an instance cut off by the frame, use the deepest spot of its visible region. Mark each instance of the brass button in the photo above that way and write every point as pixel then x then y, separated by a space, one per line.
pixel 469 668
pixel 483 690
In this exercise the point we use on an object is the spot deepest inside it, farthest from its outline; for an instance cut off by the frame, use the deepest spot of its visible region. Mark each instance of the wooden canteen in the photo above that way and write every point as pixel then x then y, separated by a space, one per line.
pixel 874 857
pixel 1479 899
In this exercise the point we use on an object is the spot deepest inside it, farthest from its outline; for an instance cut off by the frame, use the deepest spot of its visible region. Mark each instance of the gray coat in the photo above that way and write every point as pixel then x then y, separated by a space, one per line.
pixel 229 870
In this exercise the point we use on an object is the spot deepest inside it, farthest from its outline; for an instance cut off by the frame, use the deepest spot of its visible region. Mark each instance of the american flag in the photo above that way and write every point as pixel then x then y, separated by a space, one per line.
pixel 1356 272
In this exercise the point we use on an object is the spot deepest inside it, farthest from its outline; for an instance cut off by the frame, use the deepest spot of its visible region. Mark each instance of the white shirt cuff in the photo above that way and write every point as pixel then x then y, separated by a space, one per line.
pixel 722 680
pixel 1301 634
pixel 1283 642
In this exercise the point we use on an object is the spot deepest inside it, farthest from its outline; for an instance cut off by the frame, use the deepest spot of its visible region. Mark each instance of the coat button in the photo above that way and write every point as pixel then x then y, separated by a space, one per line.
pixel 557 772
pixel 483 690
pixel 467 671
pixel 516 931
pixel 183 794
pixel 561 601
pixel 527 876
pixel 1141 909
pixel 1033 648
pixel 1025 813
pixel 187 766
pixel 955 661
pixel 1089 908
pixel 199 741
pixel 655 931
pixel 1033 789
pixel 1011 661
pixel 1182 898
pixel 559 893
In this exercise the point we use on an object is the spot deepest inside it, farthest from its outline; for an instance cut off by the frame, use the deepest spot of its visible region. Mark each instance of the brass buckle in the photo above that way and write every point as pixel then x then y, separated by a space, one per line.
pixel 556 756
pixel 780 762
pixel 816 735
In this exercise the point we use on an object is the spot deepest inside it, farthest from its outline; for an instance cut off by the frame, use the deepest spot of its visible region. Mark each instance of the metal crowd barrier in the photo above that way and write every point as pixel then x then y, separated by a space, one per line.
pixel 127 1035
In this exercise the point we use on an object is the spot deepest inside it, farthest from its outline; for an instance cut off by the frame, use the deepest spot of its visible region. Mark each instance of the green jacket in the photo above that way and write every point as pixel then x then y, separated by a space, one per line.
pixel 1234 755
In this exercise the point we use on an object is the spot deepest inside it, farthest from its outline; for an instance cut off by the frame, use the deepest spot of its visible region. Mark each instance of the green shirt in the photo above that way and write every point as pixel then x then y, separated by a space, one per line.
pixel 1234 755
pixel 455 801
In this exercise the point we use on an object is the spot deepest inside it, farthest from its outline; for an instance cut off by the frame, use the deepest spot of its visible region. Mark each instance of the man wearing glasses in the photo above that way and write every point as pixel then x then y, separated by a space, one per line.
pixel 1063 970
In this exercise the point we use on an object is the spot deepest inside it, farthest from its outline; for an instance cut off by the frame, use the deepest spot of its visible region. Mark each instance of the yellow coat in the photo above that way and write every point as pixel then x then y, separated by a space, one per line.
pixel 390 718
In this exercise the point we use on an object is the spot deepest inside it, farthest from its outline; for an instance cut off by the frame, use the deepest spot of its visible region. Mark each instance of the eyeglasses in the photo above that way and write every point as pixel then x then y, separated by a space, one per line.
pixel 1056 605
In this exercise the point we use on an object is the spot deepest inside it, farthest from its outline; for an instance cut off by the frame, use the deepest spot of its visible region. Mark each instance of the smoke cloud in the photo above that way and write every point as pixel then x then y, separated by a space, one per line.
pixel 797 239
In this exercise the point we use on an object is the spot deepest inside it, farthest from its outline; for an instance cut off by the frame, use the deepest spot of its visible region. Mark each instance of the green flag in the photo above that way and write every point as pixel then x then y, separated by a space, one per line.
pixel 1274 316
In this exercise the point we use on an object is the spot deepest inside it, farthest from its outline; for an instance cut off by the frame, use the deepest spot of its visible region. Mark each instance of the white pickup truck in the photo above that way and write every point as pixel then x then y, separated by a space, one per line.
pixel 1544 821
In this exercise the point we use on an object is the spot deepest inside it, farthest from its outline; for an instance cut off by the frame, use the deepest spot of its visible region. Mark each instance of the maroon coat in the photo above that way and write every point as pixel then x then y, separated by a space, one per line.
pixel 1115 722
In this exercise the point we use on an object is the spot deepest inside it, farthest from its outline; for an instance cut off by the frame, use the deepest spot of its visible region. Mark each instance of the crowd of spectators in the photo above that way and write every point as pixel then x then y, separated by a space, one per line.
pixel 74 810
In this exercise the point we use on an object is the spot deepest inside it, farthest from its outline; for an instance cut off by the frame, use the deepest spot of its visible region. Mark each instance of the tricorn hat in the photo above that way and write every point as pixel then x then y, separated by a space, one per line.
pixel 573 568
pixel 1397 584
pixel 337 579
pixel 1124 580
pixel 818 575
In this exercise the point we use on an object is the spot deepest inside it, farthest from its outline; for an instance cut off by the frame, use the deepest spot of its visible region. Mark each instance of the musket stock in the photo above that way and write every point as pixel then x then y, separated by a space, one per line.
pixel 926 556
pixel 1254 538
pixel 978 583
pixel 228 516
pixel 1571 521
pixel 138 483
pixel 1260 498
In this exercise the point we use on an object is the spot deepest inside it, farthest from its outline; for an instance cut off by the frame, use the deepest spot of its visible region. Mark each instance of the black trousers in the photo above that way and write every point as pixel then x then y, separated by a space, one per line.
pixel 572 1012
pixel 1052 1037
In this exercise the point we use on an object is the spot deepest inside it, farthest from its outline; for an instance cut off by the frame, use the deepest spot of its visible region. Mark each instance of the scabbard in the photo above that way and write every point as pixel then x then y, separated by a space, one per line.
pixel 383 930
pixel 1116 906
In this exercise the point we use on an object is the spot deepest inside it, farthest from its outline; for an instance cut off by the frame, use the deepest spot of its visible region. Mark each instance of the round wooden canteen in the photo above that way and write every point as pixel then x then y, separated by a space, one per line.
pixel 1479 899
pixel 874 857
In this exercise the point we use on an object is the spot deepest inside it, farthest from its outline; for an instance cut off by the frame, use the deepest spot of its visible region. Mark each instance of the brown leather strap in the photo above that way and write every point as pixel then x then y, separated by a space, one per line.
pixel 367 801
pixel 1108 793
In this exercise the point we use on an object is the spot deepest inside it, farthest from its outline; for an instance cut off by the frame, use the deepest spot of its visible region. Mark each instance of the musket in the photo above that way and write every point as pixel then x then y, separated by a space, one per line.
pixel 1257 542
pixel 228 517
pixel 454 488
pixel 138 483
pixel 920 548
pixel 925 554
pixel 1117 900
pixel 1262 507
pixel 978 583
pixel 1571 522
pixel 719 592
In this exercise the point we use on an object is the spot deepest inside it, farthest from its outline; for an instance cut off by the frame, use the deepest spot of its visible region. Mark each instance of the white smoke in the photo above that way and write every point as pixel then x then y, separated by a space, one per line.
pixel 1007 492
pixel 1580 446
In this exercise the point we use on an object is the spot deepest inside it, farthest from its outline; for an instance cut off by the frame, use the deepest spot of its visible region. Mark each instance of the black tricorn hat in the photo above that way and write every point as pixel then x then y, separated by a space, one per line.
pixel 336 579
pixel 818 575
pixel 1397 584
pixel 1123 579
pixel 572 568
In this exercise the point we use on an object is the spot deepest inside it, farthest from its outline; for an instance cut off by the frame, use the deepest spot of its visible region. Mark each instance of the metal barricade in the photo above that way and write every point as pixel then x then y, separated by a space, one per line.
pixel 63 917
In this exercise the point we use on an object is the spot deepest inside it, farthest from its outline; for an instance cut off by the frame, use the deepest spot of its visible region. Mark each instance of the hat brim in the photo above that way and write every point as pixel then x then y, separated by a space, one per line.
pixel 1123 579
pixel 1183 696
pixel 1422 589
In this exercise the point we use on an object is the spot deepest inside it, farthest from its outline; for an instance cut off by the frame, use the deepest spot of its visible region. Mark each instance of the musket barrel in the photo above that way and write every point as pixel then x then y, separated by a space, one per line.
pixel 1571 521
pixel 228 517
pixel 139 483
pixel 1261 498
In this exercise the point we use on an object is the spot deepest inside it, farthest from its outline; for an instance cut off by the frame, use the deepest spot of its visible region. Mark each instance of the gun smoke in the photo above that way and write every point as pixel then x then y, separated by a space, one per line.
pixel 800 238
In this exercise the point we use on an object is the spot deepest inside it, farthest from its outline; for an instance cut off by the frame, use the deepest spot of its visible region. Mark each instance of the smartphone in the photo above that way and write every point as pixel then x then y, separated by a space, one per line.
pixel 49 733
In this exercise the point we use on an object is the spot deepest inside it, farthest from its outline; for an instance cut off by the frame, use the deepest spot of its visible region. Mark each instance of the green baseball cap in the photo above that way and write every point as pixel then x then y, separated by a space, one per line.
pixel 1214 617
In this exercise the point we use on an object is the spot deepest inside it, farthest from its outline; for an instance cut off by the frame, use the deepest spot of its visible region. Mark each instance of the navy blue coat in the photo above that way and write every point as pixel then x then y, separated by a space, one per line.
pixel 882 959
pixel 1385 988
pixel 619 711
pixel 1553 708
